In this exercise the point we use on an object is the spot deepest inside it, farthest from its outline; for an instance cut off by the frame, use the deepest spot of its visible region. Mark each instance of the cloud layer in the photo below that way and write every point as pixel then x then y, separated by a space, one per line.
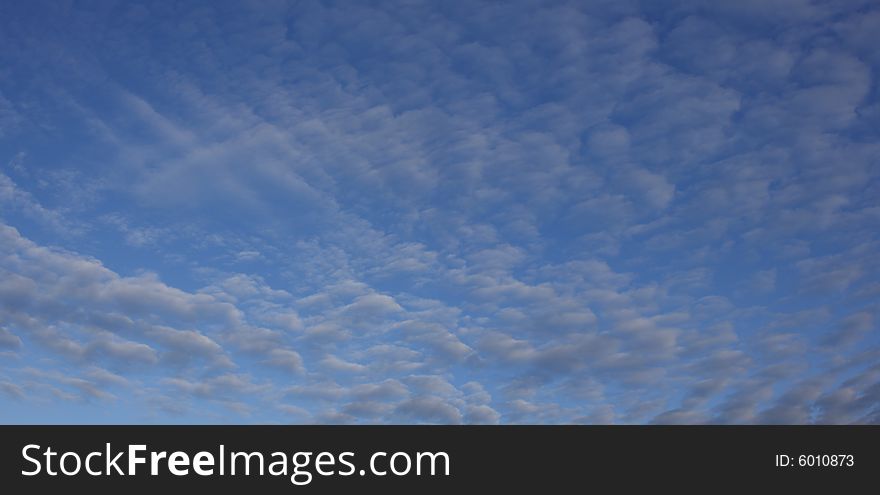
pixel 456 212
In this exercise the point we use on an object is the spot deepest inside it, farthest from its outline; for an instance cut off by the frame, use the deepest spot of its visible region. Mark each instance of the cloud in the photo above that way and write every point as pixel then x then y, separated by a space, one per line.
pixel 286 359
pixel 220 388
pixel 429 410
pixel 14 198
pixel 586 213
pixel 372 305
pixel 334 363
pixel 122 351
pixel 9 340
pixel 850 330
pixel 185 344
pixel 12 390
pixel 89 387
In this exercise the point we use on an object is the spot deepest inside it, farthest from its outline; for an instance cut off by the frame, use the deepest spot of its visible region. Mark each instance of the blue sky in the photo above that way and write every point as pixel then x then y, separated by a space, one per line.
pixel 439 212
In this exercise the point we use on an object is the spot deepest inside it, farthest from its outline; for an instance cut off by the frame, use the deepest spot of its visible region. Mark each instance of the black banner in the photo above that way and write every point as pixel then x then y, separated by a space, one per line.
pixel 404 459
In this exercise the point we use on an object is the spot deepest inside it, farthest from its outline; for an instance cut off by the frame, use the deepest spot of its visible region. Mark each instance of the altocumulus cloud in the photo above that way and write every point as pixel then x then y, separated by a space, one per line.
pixel 440 212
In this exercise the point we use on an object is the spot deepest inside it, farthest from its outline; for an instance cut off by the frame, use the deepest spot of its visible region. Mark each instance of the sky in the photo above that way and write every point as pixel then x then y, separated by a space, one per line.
pixel 457 212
